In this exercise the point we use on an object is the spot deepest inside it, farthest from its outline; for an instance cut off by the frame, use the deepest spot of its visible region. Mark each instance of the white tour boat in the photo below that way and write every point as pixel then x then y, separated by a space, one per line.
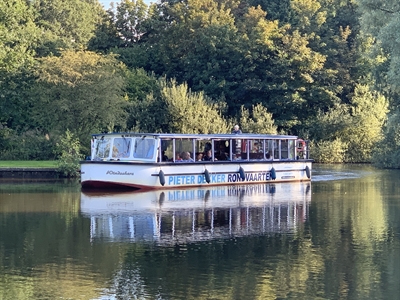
pixel 160 160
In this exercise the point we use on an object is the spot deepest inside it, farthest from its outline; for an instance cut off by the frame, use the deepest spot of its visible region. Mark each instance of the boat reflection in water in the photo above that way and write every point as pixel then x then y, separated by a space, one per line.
pixel 183 216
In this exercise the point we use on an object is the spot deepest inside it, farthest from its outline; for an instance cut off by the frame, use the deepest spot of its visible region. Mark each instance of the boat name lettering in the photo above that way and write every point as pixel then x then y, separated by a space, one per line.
pixel 109 172
pixel 191 179
pixel 217 178
pixel 261 176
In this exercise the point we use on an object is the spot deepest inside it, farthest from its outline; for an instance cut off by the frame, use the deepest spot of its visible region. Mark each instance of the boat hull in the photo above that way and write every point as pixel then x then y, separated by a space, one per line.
pixel 141 175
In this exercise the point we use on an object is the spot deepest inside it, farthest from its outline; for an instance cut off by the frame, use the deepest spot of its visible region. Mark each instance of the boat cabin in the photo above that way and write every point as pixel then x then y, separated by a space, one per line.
pixel 195 147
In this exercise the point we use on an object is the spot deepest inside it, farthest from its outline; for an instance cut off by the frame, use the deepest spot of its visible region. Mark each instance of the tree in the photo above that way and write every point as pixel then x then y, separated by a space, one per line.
pixel 368 112
pixel 387 151
pixel 259 121
pixel 350 129
pixel 191 112
pixel 66 24
pixel 81 91
pixel 381 20
pixel 18 38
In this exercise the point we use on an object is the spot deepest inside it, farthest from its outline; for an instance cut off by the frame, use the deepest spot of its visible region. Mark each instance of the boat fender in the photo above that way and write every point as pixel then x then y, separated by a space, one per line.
pixel 207 176
pixel 273 174
pixel 242 174
pixel 308 172
pixel 161 177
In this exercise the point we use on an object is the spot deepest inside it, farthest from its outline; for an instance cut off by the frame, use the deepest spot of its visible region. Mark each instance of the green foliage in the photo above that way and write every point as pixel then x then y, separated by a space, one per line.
pixel 387 152
pixel 328 151
pixel 69 152
pixel 358 125
pixel 65 24
pixel 28 145
pixel 368 114
pixel 284 66
pixel 18 34
pixel 82 91
pixel 190 112
pixel 381 20
pixel 260 120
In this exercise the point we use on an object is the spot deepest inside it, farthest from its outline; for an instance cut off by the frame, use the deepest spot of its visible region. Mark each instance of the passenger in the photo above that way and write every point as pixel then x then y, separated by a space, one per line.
pixel 207 147
pixel 199 157
pixel 237 156
pixel 177 156
pixel 207 156
pixel 236 130
pixel 222 155
pixel 256 148
pixel 186 157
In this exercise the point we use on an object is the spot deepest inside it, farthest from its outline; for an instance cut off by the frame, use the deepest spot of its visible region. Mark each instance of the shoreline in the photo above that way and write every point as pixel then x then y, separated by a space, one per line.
pixel 29 173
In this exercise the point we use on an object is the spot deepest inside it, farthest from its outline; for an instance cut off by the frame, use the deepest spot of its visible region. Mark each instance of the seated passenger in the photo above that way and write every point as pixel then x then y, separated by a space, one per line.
pixel 207 156
pixel 199 157
pixel 256 148
pixel 178 157
pixel 186 156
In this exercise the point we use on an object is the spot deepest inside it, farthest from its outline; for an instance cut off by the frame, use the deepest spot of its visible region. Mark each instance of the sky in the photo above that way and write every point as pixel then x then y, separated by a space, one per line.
pixel 106 3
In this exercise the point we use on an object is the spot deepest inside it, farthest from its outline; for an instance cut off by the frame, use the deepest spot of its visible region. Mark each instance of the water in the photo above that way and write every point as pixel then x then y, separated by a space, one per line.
pixel 334 238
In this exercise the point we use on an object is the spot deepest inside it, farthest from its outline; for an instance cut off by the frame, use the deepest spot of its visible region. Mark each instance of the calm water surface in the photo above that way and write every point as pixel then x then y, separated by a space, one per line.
pixel 337 237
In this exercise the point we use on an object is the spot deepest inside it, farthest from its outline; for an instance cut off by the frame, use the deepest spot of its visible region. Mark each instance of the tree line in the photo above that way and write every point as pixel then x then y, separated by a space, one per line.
pixel 325 70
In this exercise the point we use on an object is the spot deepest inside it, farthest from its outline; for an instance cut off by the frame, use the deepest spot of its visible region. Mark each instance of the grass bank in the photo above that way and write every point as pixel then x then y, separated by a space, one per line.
pixel 28 164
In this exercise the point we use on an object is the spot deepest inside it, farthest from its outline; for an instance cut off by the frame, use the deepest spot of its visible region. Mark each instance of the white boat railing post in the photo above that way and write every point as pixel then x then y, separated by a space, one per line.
pixel 263 142
pixel 230 150
pixel 248 149
pixel 194 149
pixel 173 150
pixel 212 150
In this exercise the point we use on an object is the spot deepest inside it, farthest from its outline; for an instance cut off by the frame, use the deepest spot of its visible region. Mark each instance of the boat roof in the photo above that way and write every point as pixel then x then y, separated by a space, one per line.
pixel 222 136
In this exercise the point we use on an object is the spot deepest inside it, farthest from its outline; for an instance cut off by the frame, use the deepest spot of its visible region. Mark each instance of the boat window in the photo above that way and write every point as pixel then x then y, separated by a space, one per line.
pixel 184 147
pixel 167 150
pixel 121 147
pixel 269 149
pixel 144 148
pixel 256 149
pixel 284 149
pixel 103 147
pixel 222 150
pixel 292 146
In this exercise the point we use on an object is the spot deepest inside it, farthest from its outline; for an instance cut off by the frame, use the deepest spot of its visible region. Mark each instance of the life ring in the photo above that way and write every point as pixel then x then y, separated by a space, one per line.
pixel 300 145
pixel 161 177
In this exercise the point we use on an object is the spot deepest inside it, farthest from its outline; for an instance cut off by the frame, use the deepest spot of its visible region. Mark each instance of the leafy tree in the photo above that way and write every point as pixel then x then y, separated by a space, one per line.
pixel 18 36
pixel 146 110
pixel 129 21
pixel 387 151
pixel 69 151
pixel 380 20
pixel 352 129
pixel 81 91
pixel 259 121
pixel 66 24
pixel 329 152
pixel 368 112
pixel 191 112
